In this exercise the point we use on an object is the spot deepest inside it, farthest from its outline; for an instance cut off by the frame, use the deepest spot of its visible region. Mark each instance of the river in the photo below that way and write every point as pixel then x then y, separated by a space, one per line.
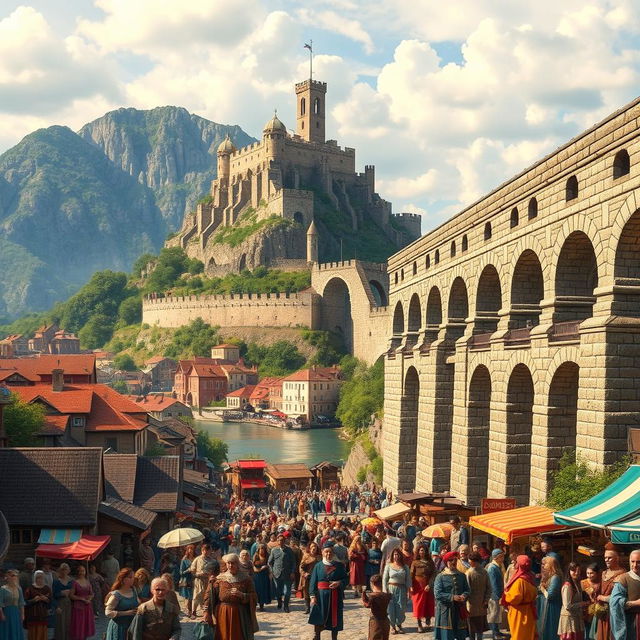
pixel 246 440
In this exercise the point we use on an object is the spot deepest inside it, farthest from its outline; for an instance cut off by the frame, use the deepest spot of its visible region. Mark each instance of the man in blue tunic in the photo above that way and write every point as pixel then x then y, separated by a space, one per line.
pixel 624 603
pixel 326 589
pixel 451 592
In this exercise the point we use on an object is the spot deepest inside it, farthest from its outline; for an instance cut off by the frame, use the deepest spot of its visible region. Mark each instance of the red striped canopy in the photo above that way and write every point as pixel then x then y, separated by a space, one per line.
pixel 87 548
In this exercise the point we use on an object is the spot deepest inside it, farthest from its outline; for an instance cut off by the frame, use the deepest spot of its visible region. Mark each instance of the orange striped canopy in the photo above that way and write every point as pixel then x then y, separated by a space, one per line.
pixel 516 523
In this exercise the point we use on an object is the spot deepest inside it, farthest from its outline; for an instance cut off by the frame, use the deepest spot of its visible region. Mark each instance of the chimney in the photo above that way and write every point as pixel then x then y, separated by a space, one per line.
pixel 57 379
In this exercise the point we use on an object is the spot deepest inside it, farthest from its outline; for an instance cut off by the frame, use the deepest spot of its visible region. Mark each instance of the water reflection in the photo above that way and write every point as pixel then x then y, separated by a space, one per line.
pixel 278 445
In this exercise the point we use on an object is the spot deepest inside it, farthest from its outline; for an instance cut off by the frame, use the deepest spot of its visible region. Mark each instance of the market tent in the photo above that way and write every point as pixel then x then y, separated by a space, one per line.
pixel 627 532
pixel 515 523
pixel 393 511
pixel 59 536
pixel 252 483
pixel 87 548
pixel 619 502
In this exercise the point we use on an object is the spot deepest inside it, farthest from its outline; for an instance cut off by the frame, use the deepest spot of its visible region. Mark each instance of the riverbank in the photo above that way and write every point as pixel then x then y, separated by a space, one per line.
pixel 226 415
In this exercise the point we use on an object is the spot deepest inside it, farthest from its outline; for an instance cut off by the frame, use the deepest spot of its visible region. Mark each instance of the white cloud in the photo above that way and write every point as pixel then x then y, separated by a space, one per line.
pixel 336 23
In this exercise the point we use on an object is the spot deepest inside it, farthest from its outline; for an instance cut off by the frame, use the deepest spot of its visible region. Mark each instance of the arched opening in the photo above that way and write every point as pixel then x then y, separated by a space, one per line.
pixel 527 290
pixel 515 217
pixel 409 430
pixel 563 414
pixel 427 261
pixel 621 164
pixel 532 209
pixel 398 320
pixel 211 264
pixel 453 249
pixel 298 217
pixel 414 321
pixel 316 106
pixel 571 189
pixel 336 311
pixel 458 309
pixel 576 279
pixel 465 243
pixel 303 106
pixel 415 267
pixel 401 274
pixel 627 269
pixel 434 314
pixel 396 278
pixel 479 408
pixel 379 294
pixel 488 301
pixel 519 431
pixel 242 265
pixel 437 256
pixel 487 231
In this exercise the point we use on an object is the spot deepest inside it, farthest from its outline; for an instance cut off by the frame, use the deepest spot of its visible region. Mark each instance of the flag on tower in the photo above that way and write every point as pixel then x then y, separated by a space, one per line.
pixel 308 46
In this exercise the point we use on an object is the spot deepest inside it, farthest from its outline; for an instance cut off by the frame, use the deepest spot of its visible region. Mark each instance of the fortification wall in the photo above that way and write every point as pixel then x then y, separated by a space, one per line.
pixel 242 310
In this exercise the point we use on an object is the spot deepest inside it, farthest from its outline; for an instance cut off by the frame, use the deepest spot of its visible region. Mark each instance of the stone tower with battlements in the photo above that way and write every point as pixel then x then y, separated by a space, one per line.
pixel 310 118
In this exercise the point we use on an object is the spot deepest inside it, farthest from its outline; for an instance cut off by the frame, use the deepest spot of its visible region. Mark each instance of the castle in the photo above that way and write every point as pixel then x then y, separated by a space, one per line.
pixel 271 187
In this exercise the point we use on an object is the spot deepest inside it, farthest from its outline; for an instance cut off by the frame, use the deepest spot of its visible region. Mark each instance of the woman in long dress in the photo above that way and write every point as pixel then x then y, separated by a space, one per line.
pixel 310 559
pixel 11 608
pixel 519 597
pixel 549 599
pixel 374 558
pixel 236 611
pixel 61 592
pixel 99 588
pixel 422 574
pixel 37 602
pixel 357 559
pixel 142 584
pixel 396 581
pixel 261 576
pixel 83 624
pixel 571 625
pixel 609 575
pixel 185 584
pixel 591 586
pixel 122 604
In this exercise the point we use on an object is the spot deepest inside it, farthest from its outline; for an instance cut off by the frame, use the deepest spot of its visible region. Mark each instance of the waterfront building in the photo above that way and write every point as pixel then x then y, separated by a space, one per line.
pixel 311 393
pixel 515 327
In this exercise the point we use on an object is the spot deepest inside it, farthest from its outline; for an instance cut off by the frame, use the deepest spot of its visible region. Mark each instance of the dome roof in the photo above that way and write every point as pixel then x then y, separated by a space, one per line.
pixel 274 125
pixel 226 146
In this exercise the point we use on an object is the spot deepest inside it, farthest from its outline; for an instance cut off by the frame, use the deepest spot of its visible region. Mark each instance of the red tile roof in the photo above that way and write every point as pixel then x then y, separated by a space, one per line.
pixel 311 375
pixel 34 368
pixel 250 464
pixel 207 370
pixel 242 392
pixel 54 425
pixel 152 402
pixel 156 359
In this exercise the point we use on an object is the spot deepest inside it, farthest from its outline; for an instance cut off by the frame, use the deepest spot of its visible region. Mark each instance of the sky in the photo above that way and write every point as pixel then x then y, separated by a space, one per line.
pixel 447 99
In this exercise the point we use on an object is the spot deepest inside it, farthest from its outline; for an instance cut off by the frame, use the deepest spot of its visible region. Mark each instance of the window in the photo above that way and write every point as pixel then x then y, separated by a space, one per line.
pixel 465 243
pixel 453 249
pixel 401 274
pixel 396 278
pixel 77 421
pixel 571 190
pixel 437 256
pixel 21 536
pixel 515 218
pixel 415 268
pixel 111 443
pixel 427 261
pixel 303 106
pixel 487 231
pixel 316 106
pixel 621 164
pixel 532 209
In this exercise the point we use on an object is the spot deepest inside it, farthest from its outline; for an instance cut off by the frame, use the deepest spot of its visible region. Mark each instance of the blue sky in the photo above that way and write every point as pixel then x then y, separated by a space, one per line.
pixel 446 99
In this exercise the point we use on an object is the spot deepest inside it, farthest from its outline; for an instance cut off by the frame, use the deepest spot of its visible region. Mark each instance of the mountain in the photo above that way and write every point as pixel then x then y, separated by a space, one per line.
pixel 168 149
pixel 73 203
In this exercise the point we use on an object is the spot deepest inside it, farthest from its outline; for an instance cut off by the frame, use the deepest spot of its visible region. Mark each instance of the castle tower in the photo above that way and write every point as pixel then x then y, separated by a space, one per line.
pixel 312 243
pixel 273 135
pixel 310 110
pixel 225 150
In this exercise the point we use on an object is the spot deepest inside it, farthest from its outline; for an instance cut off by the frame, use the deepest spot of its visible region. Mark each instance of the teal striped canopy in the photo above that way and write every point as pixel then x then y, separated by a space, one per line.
pixel 59 536
pixel 619 502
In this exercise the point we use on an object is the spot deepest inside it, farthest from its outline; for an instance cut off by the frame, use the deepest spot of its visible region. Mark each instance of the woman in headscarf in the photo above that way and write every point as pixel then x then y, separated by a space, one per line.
pixel 519 597
pixel 246 566
pixel 310 559
pixel 451 591
pixel 422 574
pixel 571 625
pixel 236 609
pixel 326 589
pixel 11 608
pixel 550 599
pixel 36 613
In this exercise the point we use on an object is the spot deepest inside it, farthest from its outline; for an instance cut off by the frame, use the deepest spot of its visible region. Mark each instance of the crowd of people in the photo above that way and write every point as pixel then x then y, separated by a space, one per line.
pixel 259 556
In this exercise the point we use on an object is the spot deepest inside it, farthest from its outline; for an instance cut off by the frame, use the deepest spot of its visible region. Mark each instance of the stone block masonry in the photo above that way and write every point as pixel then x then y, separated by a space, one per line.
pixel 515 327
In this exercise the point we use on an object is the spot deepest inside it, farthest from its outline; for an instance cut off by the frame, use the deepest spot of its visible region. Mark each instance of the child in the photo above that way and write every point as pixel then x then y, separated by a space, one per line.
pixel 377 602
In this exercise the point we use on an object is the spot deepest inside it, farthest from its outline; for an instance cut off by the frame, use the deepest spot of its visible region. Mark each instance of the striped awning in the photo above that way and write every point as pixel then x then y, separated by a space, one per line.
pixel 627 532
pixel 619 502
pixel 516 523
pixel 59 536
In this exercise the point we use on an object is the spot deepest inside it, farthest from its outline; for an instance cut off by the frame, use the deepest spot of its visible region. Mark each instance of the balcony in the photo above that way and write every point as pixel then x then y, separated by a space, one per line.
pixel 518 337
pixel 480 341
pixel 565 331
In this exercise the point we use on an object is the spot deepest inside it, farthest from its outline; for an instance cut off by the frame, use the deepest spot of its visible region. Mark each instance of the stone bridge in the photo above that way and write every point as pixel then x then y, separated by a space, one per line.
pixel 355 304
pixel 515 333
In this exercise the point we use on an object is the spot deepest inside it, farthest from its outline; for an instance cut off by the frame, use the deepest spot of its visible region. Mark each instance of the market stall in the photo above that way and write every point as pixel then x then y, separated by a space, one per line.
pixel 516 523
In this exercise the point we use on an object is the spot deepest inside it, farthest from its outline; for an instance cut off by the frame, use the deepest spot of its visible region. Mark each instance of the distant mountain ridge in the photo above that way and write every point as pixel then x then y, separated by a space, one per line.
pixel 73 203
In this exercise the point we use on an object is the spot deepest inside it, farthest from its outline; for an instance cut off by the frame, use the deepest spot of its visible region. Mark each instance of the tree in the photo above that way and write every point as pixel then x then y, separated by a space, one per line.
pixel 23 421
pixel 120 386
pixel 155 450
pixel 575 481
pixel 124 362
pixel 280 359
pixel 194 339
pixel 130 310
pixel 361 396
pixel 212 448
pixel 96 332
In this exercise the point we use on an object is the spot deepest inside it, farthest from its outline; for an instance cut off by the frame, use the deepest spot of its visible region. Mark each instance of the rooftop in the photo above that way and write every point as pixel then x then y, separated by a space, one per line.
pixel 288 470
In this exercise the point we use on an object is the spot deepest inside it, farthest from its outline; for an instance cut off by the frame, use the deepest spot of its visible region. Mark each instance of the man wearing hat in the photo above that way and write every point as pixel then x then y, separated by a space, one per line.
pixel 326 590
pixel 496 584
pixel 451 592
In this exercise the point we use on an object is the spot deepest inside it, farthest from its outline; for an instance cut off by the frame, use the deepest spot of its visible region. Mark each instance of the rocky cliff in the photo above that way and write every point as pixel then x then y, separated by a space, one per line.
pixel 168 149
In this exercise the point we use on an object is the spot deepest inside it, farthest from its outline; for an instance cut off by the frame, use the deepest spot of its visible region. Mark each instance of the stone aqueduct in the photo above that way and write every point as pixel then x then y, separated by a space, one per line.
pixel 515 327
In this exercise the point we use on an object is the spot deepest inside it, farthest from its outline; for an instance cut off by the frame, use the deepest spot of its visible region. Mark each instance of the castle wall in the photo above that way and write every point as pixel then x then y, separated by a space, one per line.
pixel 516 327
pixel 241 310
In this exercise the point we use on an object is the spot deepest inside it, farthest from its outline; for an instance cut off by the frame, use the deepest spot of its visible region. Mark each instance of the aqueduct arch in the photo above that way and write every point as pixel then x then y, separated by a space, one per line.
pixel 527 290
pixel 488 300
pixel 409 430
pixel 336 310
pixel 478 425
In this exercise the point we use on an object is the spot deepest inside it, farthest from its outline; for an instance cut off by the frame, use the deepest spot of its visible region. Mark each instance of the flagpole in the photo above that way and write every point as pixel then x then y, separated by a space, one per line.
pixel 310 47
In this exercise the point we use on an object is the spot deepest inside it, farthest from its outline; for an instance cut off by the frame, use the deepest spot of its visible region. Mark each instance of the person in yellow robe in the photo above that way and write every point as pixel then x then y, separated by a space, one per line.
pixel 520 599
